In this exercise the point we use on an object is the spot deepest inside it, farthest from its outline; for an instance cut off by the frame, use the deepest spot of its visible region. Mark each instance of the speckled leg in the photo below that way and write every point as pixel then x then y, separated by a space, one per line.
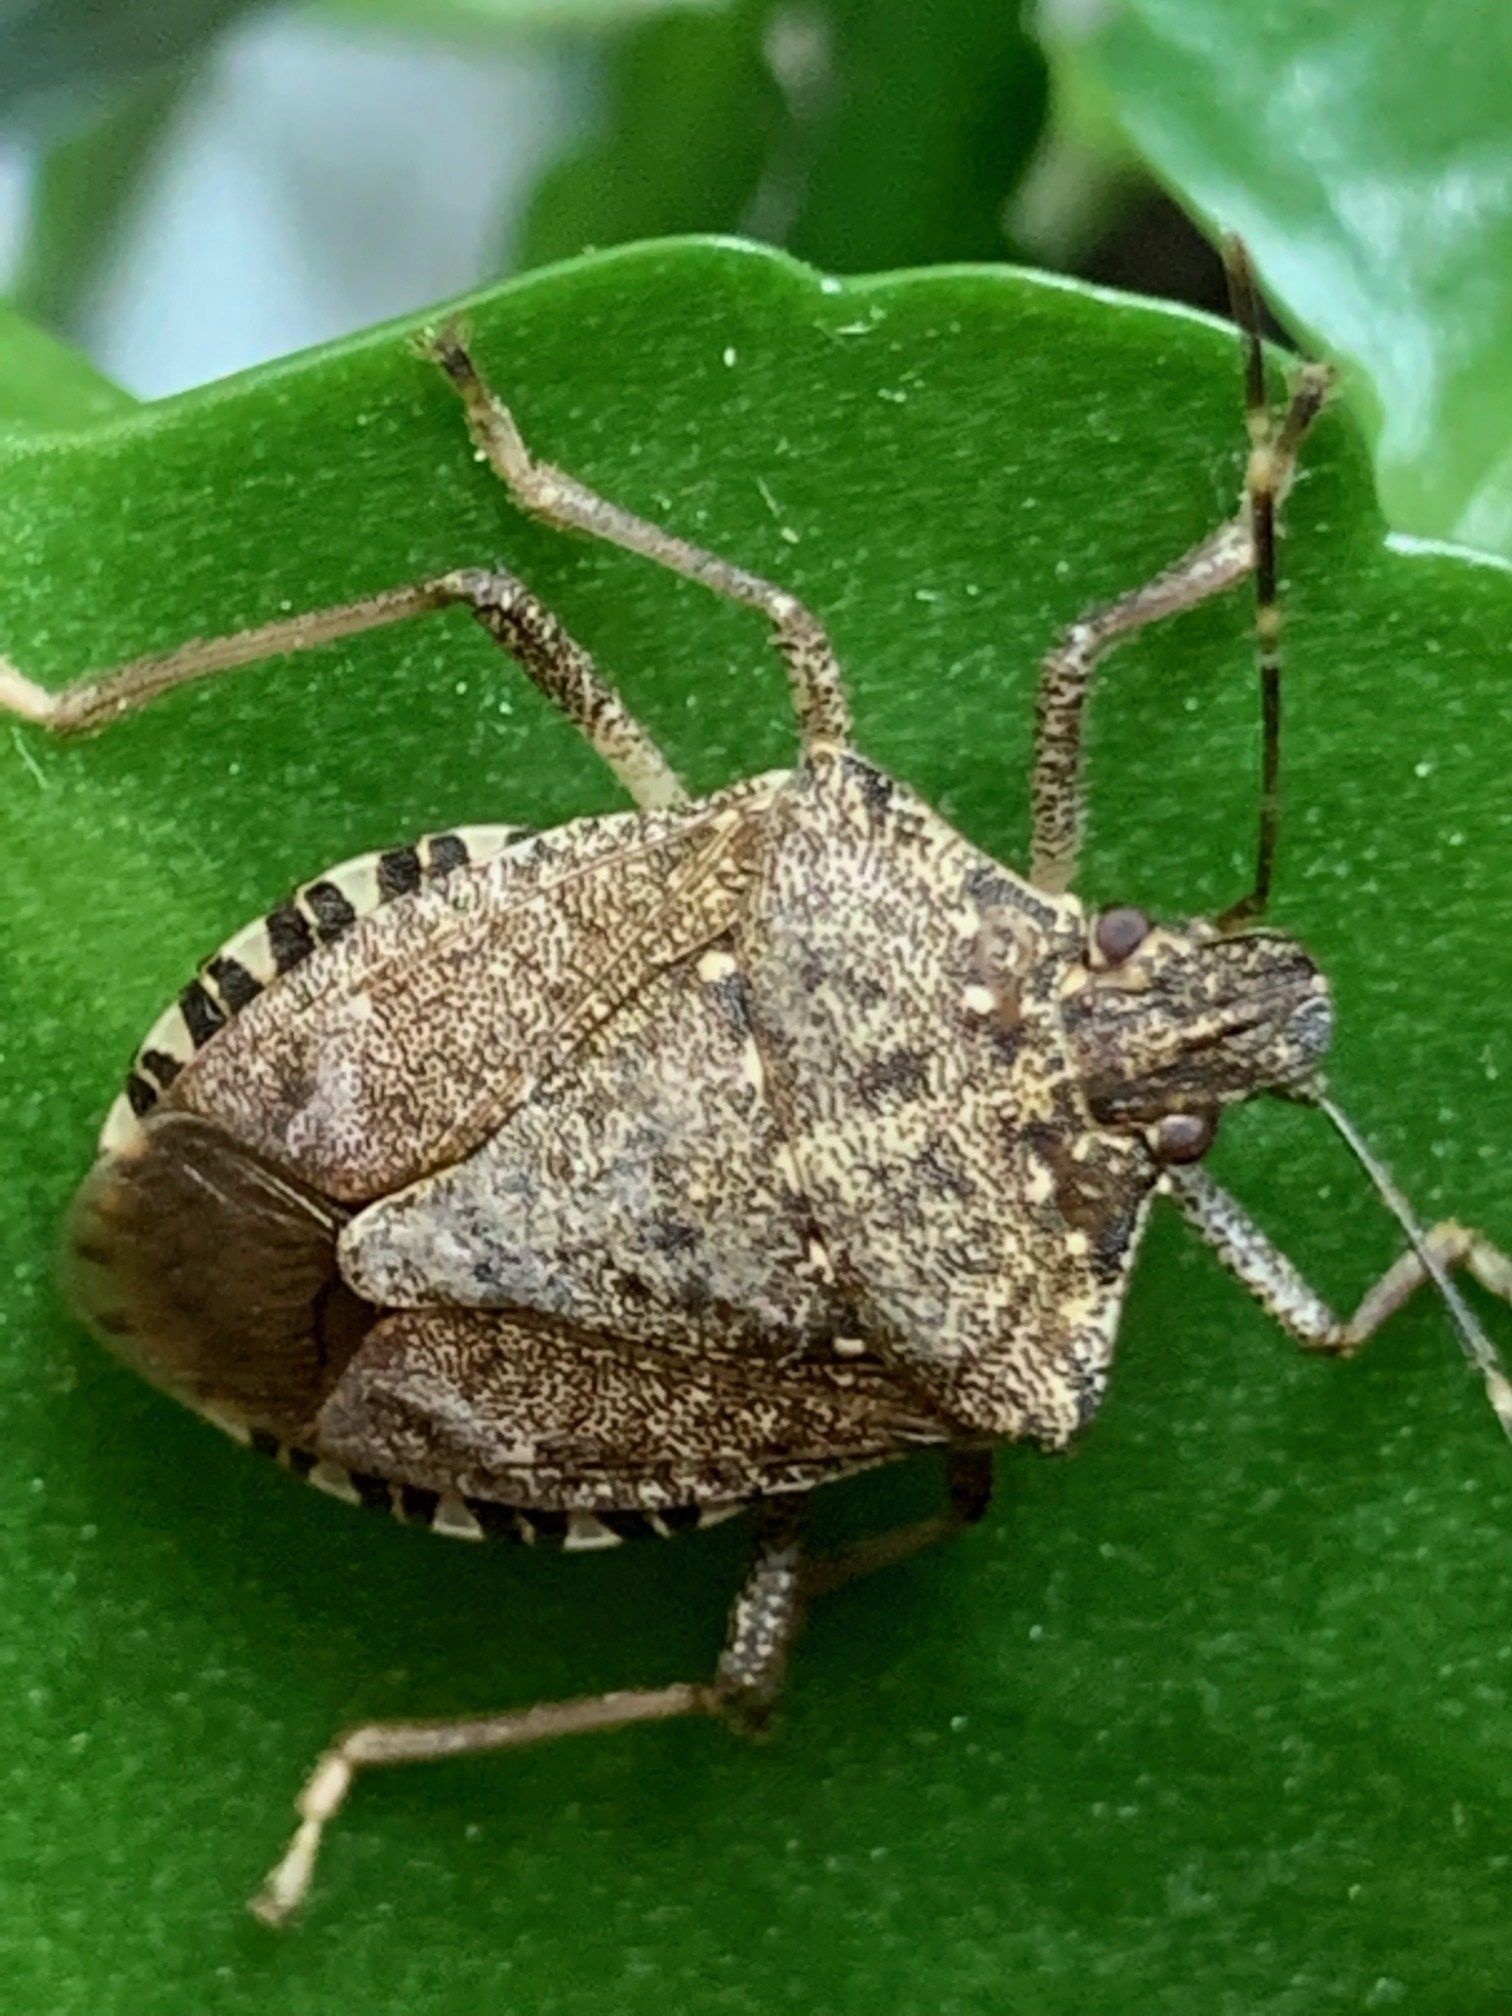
pixel 505 607
pixel 561 500
pixel 968 1484
pixel 1284 1294
pixel 1216 563
pixel 765 1620
pixel 763 1624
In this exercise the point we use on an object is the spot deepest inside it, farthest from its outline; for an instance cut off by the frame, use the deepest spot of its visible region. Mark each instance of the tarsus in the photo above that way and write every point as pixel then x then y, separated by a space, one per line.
pixel 1478 1348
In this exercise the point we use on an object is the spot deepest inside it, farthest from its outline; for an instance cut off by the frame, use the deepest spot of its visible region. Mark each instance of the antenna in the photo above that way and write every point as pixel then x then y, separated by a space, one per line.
pixel 1476 1345
pixel 1263 479
pixel 1268 477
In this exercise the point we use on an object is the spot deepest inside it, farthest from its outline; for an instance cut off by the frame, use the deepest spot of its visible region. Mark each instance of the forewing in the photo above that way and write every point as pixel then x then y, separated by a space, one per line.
pixel 644 1188
pixel 525 1411
pixel 399 1047
pixel 214 1273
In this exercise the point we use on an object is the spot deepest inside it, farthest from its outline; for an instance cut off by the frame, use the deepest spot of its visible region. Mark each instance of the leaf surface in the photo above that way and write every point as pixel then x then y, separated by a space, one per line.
pixel 1213 1714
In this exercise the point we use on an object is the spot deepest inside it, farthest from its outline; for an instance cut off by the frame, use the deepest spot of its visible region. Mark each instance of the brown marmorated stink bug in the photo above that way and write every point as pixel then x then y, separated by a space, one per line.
pixel 599 1182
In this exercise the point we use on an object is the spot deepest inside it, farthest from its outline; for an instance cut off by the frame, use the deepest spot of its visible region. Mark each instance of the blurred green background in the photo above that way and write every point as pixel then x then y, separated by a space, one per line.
pixel 1213 1715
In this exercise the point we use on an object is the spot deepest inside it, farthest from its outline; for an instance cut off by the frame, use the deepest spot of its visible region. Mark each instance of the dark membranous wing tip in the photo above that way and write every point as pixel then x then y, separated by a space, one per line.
pixel 214 1274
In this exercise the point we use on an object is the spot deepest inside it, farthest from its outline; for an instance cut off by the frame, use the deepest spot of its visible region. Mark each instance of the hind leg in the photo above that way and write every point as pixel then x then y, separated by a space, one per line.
pixel 968 1494
pixel 764 1622
pixel 504 606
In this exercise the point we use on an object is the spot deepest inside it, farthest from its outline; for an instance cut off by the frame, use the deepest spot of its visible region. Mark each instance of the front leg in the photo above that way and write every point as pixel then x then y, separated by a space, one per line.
pixel 1285 1294
pixel 1216 564
pixel 1247 543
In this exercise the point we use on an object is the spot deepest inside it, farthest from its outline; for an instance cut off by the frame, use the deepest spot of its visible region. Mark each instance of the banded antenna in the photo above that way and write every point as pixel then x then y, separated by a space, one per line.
pixel 1267 477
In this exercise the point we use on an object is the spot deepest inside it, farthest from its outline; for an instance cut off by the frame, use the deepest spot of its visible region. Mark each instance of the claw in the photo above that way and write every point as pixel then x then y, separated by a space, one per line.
pixel 24 697
pixel 289 1882
pixel 448 345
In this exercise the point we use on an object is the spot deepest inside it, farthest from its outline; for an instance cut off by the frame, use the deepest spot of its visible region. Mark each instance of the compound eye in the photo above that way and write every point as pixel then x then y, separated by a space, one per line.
pixel 1184 1137
pixel 1120 933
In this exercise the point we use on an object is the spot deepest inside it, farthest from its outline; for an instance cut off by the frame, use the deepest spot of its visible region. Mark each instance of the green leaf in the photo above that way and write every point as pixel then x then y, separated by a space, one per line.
pixel 1366 154
pixel 1213 1715
pixel 64 53
pixel 449 17
pixel 855 133
pixel 46 384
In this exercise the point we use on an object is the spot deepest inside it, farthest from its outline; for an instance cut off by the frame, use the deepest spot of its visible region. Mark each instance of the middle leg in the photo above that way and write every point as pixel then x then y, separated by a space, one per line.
pixel 559 499
pixel 505 607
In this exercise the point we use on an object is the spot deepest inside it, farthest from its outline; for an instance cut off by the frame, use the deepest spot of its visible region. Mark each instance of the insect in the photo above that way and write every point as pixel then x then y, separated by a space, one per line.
pixel 594 1183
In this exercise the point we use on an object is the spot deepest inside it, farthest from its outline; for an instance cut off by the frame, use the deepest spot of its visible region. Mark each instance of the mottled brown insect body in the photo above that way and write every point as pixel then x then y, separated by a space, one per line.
pixel 579 1185
pixel 846 1126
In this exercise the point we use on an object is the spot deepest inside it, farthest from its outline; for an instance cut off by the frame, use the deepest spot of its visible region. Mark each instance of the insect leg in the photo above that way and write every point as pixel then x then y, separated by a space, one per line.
pixel 1284 1294
pixel 505 607
pixel 763 1623
pixel 560 499
pixel 968 1483
pixel 1215 564
pixel 565 673
pixel 374 1743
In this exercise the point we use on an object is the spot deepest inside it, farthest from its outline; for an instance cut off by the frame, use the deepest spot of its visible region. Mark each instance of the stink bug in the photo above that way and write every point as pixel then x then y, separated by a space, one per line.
pixel 598 1182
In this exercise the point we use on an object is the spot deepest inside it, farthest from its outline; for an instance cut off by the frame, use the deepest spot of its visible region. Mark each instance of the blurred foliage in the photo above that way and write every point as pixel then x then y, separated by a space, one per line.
pixel 58 56
pixel 513 17
pixel 86 184
pixel 692 116
pixel 860 136
pixel 1365 151
pixel 1214 1714
pixel 921 120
